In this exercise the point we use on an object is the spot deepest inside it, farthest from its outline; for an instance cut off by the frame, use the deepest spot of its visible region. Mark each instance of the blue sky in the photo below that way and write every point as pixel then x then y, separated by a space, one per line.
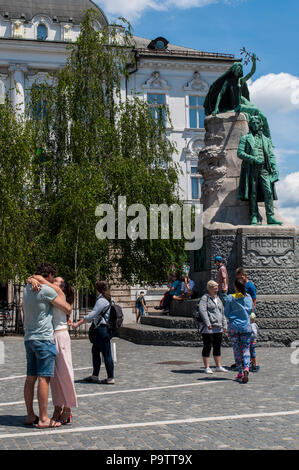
pixel 270 28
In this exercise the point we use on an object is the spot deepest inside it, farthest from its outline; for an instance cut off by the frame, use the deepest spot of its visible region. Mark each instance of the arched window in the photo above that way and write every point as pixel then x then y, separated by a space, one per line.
pixel 42 32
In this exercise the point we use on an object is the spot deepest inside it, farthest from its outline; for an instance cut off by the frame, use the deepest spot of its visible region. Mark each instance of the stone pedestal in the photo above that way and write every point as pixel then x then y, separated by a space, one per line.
pixel 269 254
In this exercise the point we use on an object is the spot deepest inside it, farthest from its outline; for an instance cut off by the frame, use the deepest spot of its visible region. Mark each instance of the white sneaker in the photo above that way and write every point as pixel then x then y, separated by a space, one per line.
pixel 208 370
pixel 221 369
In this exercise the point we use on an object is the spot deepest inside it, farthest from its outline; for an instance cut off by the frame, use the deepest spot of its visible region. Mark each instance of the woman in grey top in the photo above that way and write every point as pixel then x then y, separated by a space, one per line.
pixel 213 325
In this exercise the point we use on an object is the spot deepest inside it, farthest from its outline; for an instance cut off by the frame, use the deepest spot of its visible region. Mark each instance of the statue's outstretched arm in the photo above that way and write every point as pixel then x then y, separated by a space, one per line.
pixel 252 71
pixel 223 90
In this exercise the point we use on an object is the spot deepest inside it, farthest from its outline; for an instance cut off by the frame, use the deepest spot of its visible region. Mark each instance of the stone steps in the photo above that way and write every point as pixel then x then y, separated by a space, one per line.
pixel 157 336
pixel 148 334
pixel 276 306
pixel 164 321
pixel 277 318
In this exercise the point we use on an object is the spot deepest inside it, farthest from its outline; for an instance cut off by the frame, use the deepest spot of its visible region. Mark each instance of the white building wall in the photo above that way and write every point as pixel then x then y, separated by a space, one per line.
pixel 175 81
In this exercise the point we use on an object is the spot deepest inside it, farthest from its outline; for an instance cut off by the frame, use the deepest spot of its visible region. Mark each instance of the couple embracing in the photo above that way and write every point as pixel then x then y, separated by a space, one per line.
pixel 47 307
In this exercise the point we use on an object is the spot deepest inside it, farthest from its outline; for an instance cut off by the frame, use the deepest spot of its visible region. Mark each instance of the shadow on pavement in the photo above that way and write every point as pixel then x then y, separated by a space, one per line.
pixel 14 421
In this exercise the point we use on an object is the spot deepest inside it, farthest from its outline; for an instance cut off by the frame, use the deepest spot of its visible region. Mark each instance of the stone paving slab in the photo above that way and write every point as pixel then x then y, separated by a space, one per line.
pixel 169 393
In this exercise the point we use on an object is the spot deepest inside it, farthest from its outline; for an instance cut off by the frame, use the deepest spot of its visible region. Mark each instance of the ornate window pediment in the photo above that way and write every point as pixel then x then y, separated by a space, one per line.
pixel 42 26
pixel 156 82
pixel 197 84
pixel 194 146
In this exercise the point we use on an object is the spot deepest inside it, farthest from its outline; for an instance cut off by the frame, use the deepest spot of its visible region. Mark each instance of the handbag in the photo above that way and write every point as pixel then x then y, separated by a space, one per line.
pixel 94 326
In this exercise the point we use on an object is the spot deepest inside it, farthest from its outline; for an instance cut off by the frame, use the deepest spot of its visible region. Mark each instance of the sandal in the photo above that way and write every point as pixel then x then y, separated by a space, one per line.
pixel 69 417
pixel 52 424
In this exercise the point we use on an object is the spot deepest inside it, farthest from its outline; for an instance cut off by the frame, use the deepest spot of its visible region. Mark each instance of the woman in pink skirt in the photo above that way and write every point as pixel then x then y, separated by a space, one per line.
pixel 62 384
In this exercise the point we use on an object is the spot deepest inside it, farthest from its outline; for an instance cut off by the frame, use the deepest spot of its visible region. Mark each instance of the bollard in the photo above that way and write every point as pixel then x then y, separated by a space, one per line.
pixel 113 353
pixel 2 353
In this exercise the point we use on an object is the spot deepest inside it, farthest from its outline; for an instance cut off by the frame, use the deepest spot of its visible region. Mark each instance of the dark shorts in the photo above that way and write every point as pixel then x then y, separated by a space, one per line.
pixel 40 358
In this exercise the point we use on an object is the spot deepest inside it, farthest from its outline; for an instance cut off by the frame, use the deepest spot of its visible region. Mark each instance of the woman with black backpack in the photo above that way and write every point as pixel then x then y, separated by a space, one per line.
pixel 100 334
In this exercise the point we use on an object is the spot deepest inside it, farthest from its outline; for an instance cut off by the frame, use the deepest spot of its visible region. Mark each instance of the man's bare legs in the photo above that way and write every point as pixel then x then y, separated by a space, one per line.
pixel 28 397
pixel 42 396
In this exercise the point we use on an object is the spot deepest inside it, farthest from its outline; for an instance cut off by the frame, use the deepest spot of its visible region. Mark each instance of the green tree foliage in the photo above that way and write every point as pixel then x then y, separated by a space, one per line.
pixel 16 209
pixel 94 144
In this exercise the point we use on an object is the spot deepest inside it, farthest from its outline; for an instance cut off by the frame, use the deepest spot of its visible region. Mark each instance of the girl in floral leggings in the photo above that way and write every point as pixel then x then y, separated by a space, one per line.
pixel 238 308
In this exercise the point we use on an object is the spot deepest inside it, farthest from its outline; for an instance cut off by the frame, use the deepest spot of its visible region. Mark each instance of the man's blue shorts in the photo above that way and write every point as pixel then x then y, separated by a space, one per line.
pixel 40 358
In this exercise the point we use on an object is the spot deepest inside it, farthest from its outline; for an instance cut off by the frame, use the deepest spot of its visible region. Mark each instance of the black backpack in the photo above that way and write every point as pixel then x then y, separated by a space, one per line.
pixel 115 321
pixel 116 318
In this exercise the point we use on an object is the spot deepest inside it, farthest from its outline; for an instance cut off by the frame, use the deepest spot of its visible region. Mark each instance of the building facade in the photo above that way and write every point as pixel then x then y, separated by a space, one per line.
pixel 33 41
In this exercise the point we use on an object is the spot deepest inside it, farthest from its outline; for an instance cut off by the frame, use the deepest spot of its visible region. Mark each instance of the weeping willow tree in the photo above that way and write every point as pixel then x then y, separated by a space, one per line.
pixel 93 145
pixel 17 212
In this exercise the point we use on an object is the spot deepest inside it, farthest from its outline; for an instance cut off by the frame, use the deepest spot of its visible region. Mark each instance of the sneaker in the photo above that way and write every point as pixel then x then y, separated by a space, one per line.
pixel 255 368
pixel 221 369
pixel 238 377
pixel 208 370
pixel 245 376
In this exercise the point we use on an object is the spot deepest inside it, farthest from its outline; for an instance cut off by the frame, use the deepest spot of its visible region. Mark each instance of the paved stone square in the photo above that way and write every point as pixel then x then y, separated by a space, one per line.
pixel 161 406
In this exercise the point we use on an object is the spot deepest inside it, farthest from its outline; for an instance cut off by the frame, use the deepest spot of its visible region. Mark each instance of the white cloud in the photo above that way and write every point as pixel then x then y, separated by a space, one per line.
pixel 288 197
pixel 276 92
pixel 133 9
pixel 290 214
pixel 288 190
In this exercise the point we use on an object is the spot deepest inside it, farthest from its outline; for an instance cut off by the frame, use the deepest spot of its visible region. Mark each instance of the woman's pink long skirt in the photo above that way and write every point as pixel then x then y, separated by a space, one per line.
pixel 62 384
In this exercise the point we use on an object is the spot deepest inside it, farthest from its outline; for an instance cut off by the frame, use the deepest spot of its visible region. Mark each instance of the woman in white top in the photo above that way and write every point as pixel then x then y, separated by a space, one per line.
pixel 62 384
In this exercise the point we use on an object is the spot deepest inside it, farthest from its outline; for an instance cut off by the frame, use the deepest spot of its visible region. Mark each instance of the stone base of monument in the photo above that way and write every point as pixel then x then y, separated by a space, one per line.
pixel 269 253
pixel 270 257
